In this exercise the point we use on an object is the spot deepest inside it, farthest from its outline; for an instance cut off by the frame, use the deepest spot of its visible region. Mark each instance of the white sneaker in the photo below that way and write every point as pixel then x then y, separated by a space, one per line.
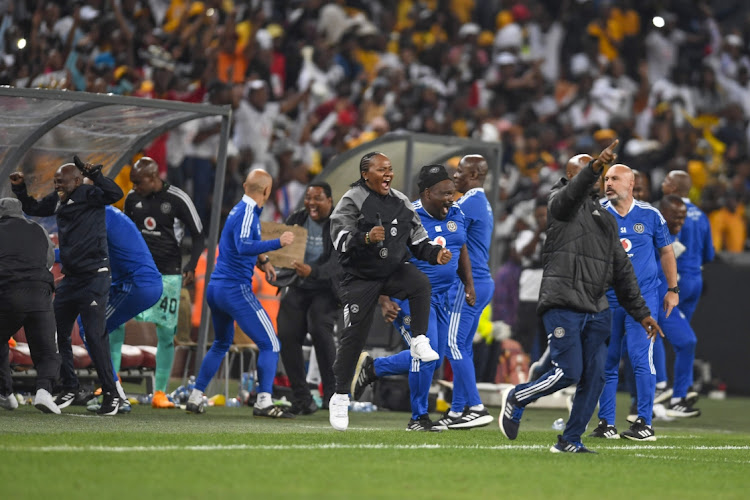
pixel 195 402
pixel 338 411
pixel 8 402
pixel 421 350
pixel 44 402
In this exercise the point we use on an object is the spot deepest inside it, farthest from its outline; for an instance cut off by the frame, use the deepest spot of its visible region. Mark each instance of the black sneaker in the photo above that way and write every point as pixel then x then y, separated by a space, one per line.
pixel 272 411
pixel 510 414
pixel 564 446
pixel 662 395
pixel 110 404
pixel 692 397
pixel 471 418
pixel 446 420
pixel 303 407
pixel 604 430
pixel 423 424
pixel 682 409
pixel 364 375
pixel 65 398
pixel 639 431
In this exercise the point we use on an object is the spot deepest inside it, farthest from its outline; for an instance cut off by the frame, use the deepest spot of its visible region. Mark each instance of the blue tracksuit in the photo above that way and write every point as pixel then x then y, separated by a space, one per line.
pixel 136 283
pixel 699 249
pixel 231 298
pixel 643 231
pixel 680 334
pixel 465 318
pixel 451 234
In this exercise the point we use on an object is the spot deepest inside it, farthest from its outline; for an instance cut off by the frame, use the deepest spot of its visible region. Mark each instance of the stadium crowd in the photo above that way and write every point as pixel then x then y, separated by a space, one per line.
pixel 309 79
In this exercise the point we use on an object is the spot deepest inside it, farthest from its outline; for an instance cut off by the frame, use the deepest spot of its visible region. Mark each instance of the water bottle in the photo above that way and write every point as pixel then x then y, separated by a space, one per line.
pixel 558 424
pixel 191 383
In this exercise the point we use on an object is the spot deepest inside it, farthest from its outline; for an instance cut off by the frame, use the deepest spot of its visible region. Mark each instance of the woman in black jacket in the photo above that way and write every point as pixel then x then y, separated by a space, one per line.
pixel 374 227
pixel 310 304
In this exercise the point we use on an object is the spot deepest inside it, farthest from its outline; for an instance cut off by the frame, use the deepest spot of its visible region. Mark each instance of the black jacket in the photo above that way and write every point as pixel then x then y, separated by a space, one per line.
pixel 583 255
pixel 326 273
pixel 356 213
pixel 81 226
pixel 26 252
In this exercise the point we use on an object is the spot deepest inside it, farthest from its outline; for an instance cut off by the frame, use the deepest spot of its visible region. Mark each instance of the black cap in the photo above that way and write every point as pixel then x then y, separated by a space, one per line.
pixel 430 175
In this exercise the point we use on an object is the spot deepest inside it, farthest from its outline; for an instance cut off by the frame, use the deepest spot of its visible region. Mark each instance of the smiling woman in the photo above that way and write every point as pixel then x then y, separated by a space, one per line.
pixel 373 228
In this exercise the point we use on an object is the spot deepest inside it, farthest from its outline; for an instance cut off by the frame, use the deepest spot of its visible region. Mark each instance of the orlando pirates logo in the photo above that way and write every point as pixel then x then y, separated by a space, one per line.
pixel 434 170
pixel 149 223
pixel 354 308
pixel 559 332
pixel 407 320
pixel 165 207
pixel 639 228
pixel 383 253
pixel 452 226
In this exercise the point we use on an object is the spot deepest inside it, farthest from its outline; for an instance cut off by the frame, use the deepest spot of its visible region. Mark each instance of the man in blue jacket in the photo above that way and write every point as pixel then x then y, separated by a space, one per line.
pixel 230 296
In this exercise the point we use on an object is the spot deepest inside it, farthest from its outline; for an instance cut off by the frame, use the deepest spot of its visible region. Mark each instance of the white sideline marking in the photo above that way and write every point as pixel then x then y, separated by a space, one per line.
pixel 334 446
pixel 691 459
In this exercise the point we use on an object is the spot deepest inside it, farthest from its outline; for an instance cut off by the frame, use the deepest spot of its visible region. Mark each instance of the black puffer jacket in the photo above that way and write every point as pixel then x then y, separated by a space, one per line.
pixel 583 255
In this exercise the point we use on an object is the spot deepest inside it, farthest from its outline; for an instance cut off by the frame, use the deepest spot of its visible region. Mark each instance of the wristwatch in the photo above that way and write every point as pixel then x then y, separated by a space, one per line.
pixel 265 261
pixel 675 289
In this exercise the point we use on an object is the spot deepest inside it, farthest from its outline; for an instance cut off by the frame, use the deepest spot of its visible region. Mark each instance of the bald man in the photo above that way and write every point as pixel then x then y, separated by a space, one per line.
pixel 231 298
pixel 645 237
pixel 161 212
pixel 696 236
pixel 582 256
pixel 467 409
pixel 82 232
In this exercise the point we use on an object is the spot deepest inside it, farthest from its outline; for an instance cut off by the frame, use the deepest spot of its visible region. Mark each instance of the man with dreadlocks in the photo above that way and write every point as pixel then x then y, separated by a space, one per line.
pixel 372 228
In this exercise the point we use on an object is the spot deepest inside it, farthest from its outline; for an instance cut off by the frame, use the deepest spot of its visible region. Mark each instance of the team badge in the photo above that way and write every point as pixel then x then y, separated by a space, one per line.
pixel 149 223
pixel 383 253
pixel 166 207
pixel 407 320
pixel 638 228
pixel 394 231
pixel 354 308
pixel 434 170
pixel 452 226
pixel 559 332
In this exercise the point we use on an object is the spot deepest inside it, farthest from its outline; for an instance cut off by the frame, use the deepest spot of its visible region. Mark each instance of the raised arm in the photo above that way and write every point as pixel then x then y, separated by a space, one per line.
pixel 30 205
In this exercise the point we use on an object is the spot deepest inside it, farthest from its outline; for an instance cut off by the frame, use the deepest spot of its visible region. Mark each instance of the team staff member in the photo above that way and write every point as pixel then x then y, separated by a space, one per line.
pixel 373 227
pixel 231 298
pixel 643 233
pixel 582 257
pixel 82 233
pixel 136 286
pixel 160 211
pixel 696 237
pixel 26 287
pixel 467 410
pixel 310 303
pixel 445 225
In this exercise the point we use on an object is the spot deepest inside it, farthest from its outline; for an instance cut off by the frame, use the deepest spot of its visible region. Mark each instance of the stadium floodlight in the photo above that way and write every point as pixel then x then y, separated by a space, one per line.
pixel 21 44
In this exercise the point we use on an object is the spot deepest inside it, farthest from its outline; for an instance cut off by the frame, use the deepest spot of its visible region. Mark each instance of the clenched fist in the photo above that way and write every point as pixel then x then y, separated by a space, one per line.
pixel 286 238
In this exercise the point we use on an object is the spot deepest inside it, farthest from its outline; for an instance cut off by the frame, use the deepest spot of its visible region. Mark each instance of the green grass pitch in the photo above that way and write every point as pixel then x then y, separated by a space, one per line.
pixel 227 453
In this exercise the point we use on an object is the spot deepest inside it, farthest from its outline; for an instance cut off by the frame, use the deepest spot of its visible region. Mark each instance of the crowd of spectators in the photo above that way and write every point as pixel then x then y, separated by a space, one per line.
pixel 309 79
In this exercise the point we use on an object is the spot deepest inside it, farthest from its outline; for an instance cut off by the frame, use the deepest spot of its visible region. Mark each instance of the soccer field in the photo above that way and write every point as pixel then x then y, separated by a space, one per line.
pixel 168 453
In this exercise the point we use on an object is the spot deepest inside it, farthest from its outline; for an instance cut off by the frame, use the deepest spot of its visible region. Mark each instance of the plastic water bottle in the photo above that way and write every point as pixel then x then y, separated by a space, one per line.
pixel 558 424
pixel 191 383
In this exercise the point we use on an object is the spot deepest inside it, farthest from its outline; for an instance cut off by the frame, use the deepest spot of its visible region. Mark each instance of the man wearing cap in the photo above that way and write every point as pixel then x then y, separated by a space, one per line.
pixel 445 225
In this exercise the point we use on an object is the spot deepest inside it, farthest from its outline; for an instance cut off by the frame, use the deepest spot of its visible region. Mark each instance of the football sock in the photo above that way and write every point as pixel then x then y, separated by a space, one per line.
pixel 164 357
pixel 264 400
pixel 116 339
